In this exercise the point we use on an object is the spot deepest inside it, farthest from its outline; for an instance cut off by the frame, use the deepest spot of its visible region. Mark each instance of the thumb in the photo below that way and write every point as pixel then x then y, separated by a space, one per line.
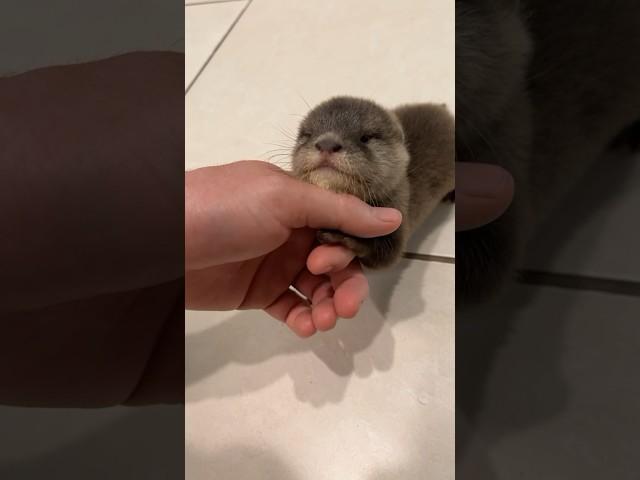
pixel 483 193
pixel 314 207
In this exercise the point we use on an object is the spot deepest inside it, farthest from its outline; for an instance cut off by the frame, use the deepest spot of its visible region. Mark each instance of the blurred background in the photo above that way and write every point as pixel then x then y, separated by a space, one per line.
pixel 546 372
pixel 117 442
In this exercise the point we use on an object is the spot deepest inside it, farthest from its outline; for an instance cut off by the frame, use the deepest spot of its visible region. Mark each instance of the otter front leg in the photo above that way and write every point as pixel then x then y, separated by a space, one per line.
pixel 373 253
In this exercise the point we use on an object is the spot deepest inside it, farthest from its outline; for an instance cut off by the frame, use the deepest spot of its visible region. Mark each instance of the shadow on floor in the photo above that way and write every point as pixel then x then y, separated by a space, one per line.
pixel 252 338
pixel 431 229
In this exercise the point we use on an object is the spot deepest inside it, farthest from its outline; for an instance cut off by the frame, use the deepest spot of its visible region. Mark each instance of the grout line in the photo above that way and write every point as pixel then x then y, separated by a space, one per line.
pixel 215 50
pixel 579 282
pixel 207 2
pixel 429 258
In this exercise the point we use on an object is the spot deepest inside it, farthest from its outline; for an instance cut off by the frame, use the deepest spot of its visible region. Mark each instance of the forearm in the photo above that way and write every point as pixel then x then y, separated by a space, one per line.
pixel 91 164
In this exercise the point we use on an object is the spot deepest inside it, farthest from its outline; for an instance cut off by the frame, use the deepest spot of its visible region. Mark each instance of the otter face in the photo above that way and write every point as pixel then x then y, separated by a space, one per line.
pixel 351 145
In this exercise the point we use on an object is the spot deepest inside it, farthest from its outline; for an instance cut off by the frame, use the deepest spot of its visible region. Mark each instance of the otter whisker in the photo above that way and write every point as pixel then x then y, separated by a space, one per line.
pixel 280 149
pixel 281 145
pixel 304 100
pixel 287 134
pixel 281 163
pixel 279 158
pixel 271 152
pixel 278 155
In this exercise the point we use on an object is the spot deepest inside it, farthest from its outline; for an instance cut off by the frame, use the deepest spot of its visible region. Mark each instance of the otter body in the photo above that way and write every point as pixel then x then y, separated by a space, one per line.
pixel 401 158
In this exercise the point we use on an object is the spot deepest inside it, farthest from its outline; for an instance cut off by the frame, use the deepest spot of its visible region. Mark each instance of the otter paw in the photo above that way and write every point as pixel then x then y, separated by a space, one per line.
pixel 356 245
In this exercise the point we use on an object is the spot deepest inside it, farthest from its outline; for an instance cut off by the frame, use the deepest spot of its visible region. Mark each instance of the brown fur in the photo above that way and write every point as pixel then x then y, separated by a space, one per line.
pixel 408 164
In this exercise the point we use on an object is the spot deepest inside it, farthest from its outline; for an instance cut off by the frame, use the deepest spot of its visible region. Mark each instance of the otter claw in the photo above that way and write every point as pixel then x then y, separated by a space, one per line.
pixel 353 244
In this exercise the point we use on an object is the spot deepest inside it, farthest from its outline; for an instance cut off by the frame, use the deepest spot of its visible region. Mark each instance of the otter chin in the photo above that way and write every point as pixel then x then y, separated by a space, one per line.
pixel 332 174
pixel 329 178
pixel 401 158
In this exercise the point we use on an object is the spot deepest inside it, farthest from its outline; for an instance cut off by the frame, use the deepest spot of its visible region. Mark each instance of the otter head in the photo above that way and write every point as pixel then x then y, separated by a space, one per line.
pixel 351 145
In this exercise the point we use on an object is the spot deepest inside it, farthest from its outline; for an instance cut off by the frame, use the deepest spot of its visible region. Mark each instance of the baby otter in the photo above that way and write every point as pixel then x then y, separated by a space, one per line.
pixel 401 158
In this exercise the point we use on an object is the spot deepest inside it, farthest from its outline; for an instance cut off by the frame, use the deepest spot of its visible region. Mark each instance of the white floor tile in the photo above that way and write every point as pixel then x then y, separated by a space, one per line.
pixel 596 232
pixel 284 54
pixel 371 400
pixel 561 394
pixel 205 26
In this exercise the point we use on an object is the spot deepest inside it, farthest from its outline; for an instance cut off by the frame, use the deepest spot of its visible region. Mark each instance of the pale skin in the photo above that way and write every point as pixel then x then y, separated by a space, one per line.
pixel 250 235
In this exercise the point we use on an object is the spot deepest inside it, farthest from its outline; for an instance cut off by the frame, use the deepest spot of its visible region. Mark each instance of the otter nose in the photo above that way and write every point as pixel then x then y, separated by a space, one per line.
pixel 328 145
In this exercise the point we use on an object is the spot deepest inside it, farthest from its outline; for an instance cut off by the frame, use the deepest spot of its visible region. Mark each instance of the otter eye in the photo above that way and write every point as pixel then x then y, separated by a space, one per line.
pixel 303 137
pixel 367 137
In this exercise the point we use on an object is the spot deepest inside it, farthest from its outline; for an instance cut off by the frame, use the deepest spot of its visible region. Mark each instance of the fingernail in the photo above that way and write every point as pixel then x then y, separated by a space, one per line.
pixel 390 215
pixel 482 180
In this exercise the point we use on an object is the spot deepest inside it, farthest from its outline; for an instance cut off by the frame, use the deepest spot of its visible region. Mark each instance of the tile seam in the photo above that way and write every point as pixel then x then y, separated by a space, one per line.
pixel 217 47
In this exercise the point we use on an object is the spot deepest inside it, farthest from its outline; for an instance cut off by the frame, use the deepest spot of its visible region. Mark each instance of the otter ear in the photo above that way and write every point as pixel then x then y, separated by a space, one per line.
pixel 396 119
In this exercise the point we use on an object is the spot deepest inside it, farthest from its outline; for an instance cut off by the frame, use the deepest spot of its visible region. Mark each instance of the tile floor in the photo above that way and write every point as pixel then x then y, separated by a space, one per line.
pixel 373 398
pixel 205 26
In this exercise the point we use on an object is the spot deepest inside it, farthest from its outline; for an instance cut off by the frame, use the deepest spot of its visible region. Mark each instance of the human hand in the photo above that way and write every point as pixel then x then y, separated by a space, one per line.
pixel 483 193
pixel 250 235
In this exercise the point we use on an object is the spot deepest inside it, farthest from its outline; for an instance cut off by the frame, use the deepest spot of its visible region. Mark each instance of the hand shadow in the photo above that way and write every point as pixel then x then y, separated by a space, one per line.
pixel 425 237
pixel 357 346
